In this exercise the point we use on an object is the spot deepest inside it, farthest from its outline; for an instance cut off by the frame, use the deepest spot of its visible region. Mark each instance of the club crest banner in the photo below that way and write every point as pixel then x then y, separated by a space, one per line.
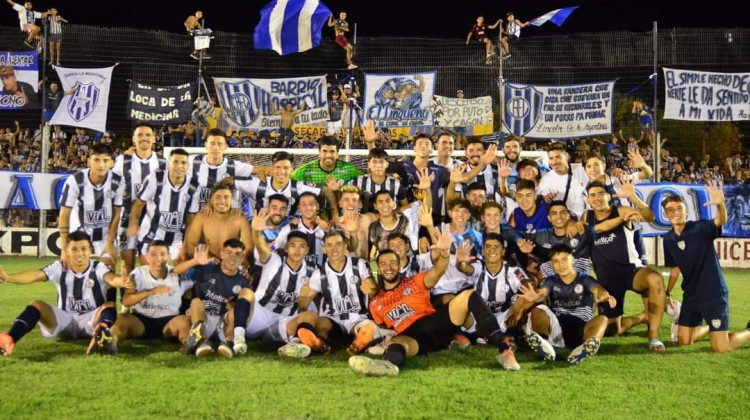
pixel 87 106
pixel 558 111
pixel 706 96
pixel 20 73
pixel 249 103
pixel 395 100
pixel 454 112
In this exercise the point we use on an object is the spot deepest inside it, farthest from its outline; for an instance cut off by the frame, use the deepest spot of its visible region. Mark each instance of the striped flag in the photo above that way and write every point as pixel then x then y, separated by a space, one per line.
pixel 556 16
pixel 290 26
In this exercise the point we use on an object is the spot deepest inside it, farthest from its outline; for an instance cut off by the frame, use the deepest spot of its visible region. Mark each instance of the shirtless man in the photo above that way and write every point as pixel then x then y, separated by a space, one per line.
pixel 219 227
pixel 286 135
pixel 341 27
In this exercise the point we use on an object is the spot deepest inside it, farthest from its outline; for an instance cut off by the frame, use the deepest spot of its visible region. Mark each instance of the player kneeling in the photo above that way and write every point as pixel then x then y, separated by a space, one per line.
pixel 403 304
pixel 84 308
pixel 571 298
pixel 217 286
pixel 154 297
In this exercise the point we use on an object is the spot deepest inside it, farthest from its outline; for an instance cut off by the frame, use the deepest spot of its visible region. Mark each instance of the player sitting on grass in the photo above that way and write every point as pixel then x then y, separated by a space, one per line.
pixel 689 248
pixel 571 298
pixel 217 286
pixel 154 297
pixel 84 308
pixel 268 312
pixel 403 304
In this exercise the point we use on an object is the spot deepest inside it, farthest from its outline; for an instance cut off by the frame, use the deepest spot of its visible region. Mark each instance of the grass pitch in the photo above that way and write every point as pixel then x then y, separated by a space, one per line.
pixel 53 379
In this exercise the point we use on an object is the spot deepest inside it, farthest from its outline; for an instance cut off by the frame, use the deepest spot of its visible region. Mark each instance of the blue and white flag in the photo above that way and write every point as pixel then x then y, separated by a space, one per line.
pixel 556 16
pixel 87 106
pixel 290 26
pixel 249 103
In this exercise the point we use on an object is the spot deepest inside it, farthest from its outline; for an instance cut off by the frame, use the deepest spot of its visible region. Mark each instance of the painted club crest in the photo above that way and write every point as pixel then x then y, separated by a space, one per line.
pixel 239 102
pixel 83 102
pixel 523 107
pixel 681 245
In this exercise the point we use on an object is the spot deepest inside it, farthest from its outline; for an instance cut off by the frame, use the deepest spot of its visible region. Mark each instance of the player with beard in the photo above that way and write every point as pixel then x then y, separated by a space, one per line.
pixel 619 269
pixel 134 169
pixel 571 295
pixel 403 304
pixel 566 181
pixel 171 201
pixel 277 211
pixel 479 160
pixel 689 249
pixel 84 308
pixel 317 171
pixel 218 228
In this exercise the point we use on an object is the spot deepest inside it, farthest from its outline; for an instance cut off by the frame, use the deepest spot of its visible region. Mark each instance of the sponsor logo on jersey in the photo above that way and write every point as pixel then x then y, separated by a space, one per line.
pixel 605 240
pixel 284 298
pixel 170 220
pixel 400 312
pixel 80 306
pixel 98 218
pixel 346 305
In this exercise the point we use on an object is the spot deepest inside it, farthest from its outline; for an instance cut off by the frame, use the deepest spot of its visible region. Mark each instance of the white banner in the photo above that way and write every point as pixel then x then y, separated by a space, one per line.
pixel 249 103
pixel 706 96
pixel 395 100
pixel 87 106
pixel 25 241
pixel 454 112
pixel 30 190
pixel 653 193
pixel 558 111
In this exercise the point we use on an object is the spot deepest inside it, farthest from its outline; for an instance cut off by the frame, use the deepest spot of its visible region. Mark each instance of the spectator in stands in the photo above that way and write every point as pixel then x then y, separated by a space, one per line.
pixel 479 32
pixel 460 132
pixel 511 33
pixel 55 22
pixel 643 112
pixel 286 134
pixel 340 28
pixel 27 19
pixel 25 94
pixel 204 109
pixel 335 109
pixel 195 27
pixel 53 98
pixel 352 112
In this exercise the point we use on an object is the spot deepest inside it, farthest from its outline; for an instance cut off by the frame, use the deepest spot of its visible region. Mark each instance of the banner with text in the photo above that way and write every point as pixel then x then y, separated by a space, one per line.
pixel 20 74
pixel 251 103
pixel 171 104
pixel 30 190
pixel 454 112
pixel 87 106
pixel 394 100
pixel 706 96
pixel 558 111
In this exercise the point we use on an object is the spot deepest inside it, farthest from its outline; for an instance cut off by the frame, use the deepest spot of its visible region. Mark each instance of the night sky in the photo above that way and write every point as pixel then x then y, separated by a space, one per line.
pixel 414 18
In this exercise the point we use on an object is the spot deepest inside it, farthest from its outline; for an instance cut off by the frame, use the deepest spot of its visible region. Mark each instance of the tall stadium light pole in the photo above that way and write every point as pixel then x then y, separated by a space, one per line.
pixel 501 85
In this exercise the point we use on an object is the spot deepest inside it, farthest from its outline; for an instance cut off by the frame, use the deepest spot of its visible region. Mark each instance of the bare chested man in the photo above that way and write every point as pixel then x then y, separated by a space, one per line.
pixel 286 135
pixel 221 225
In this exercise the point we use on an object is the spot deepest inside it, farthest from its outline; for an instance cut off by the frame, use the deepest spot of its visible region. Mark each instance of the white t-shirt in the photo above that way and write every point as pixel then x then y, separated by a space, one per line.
pixel 554 182
pixel 161 305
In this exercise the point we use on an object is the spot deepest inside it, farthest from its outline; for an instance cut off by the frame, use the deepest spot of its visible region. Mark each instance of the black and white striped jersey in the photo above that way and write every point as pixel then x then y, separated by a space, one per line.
pixel 167 208
pixel 92 206
pixel 342 297
pixel 79 293
pixel 279 285
pixel 260 190
pixel 208 175
pixel 133 170
pixel 499 290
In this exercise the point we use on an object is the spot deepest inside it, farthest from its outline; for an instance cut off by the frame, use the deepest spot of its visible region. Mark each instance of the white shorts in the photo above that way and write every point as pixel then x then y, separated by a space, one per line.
pixel 267 325
pixel 555 336
pixel 130 244
pixel 99 247
pixel 334 127
pixel 71 325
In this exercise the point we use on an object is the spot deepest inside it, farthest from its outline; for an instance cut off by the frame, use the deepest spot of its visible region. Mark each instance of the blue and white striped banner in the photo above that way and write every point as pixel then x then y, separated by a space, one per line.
pixel 556 16
pixel 290 26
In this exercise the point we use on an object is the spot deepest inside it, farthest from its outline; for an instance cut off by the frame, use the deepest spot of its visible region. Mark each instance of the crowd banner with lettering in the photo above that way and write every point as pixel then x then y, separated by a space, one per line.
pixel 29 190
pixel 558 111
pixel 86 106
pixel 706 96
pixel 249 103
pixel 170 104
pixel 25 241
pixel 20 73
pixel 738 208
pixel 396 100
pixel 454 112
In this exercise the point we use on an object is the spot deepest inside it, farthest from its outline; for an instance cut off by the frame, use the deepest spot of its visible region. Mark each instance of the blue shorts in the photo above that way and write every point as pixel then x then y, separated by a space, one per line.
pixel 153 327
pixel 714 310
pixel 617 282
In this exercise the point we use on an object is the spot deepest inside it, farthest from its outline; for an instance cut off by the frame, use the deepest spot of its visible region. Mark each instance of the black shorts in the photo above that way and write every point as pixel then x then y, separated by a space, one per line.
pixel 512 39
pixel 153 327
pixel 572 330
pixel 434 332
pixel 436 299
pixel 714 310
pixel 54 37
pixel 617 282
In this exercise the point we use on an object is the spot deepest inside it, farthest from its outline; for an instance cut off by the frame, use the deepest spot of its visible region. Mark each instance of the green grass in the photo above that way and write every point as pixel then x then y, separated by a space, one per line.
pixel 54 379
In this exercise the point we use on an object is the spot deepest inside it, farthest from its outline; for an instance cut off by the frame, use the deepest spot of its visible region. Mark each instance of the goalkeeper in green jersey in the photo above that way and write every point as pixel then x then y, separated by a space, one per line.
pixel 328 163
